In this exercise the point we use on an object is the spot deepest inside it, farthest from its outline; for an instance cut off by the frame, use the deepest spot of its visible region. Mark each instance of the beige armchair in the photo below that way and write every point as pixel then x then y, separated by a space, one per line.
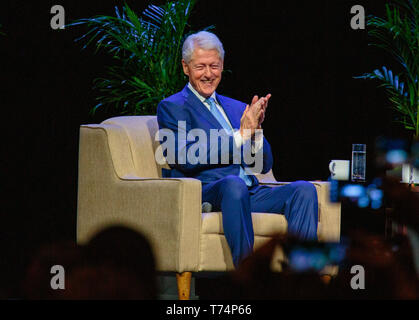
pixel 120 183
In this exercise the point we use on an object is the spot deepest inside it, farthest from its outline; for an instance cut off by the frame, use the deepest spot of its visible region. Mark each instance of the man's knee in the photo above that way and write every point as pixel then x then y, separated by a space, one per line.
pixel 304 188
pixel 234 187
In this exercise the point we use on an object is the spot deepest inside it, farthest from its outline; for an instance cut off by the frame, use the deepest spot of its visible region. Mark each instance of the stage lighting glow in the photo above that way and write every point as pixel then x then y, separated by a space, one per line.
pixel 363 202
pixel 353 191
pixel 375 194
pixel 397 156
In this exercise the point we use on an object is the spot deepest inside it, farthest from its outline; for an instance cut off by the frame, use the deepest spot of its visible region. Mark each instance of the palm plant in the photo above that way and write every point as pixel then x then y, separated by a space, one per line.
pixel 147 52
pixel 398 34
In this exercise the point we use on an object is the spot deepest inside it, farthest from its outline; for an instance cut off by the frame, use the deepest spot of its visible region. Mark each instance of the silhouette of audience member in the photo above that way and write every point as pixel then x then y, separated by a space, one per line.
pixel 117 263
pixel 389 273
pixel 37 282
pixel 258 277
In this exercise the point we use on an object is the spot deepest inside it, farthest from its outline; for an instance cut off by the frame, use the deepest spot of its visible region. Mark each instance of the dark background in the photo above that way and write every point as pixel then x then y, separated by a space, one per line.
pixel 303 52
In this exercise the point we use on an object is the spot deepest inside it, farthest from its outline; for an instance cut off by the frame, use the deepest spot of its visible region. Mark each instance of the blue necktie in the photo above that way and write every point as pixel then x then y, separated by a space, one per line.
pixel 217 114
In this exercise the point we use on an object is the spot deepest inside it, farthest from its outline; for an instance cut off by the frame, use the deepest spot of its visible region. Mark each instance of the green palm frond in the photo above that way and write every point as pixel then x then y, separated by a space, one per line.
pixel 399 93
pixel 147 51
pixel 398 34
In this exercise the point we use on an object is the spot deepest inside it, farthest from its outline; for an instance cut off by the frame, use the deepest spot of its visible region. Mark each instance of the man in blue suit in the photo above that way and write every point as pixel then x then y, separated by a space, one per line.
pixel 226 182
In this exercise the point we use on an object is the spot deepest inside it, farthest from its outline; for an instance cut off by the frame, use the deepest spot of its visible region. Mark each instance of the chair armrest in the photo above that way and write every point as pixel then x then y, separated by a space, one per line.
pixel 329 213
pixel 166 211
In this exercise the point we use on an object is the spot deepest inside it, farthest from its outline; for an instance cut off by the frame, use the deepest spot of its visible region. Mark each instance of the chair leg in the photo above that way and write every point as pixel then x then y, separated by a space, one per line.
pixel 184 285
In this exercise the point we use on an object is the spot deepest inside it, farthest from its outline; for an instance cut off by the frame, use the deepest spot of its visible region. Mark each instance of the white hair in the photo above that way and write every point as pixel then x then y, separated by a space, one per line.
pixel 204 40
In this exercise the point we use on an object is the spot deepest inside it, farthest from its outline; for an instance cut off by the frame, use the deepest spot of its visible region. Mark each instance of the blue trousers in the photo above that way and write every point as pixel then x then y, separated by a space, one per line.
pixel 230 195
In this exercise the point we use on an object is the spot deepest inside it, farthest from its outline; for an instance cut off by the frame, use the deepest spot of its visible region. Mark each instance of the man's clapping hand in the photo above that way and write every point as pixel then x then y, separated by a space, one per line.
pixel 253 116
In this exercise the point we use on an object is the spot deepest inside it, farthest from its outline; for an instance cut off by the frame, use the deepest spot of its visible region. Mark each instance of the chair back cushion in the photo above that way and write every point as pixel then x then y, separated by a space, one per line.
pixel 141 132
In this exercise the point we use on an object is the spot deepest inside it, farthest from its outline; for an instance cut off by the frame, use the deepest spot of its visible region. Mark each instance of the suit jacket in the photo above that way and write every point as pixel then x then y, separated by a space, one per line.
pixel 185 106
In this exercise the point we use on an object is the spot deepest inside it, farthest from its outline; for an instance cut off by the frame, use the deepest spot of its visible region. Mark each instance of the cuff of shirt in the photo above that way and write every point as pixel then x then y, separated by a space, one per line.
pixel 238 139
pixel 257 142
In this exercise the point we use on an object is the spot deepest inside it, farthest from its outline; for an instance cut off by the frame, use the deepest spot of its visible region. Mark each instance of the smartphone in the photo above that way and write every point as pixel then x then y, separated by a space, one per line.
pixel 313 257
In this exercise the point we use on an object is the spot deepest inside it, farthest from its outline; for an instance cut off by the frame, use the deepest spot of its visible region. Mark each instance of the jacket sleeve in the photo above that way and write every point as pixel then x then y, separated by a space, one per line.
pixel 267 156
pixel 260 161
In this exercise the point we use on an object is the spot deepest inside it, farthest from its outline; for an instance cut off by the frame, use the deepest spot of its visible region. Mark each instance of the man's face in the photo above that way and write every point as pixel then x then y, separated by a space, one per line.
pixel 204 71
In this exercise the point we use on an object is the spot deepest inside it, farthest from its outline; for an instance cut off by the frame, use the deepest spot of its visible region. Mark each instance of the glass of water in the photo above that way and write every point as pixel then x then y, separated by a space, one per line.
pixel 358 165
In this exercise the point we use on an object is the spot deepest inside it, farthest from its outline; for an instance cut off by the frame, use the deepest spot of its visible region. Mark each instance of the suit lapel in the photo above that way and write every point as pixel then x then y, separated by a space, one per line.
pixel 229 110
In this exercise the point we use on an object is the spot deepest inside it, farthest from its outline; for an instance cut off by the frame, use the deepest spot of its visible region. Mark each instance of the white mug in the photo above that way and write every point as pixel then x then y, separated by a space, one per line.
pixel 339 169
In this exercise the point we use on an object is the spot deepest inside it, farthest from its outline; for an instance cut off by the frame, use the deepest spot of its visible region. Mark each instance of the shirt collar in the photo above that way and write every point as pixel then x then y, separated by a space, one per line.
pixel 199 96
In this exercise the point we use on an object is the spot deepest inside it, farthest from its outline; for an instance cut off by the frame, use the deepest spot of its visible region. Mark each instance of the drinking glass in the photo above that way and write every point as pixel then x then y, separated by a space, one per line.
pixel 358 166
